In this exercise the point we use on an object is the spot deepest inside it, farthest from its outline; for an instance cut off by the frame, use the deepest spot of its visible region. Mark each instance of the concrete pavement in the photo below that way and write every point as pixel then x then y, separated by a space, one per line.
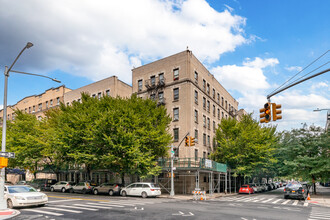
pixel 322 196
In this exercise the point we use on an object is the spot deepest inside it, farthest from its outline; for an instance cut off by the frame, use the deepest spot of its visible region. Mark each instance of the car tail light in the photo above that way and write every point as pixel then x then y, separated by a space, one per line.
pixel 284 190
pixel 67 184
pixel 116 186
pixel 303 190
pixel 152 189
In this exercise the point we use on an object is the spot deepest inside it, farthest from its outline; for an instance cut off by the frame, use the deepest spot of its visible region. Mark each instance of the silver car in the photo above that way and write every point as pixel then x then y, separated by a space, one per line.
pixel 62 186
pixel 108 188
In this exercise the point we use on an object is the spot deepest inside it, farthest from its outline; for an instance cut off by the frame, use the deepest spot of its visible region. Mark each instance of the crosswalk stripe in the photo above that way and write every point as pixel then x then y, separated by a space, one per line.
pixel 316 217
pixel 267 200
pixel 93 206
pixel 295 202
pixel 60 209
pixel 43 212
pixel 276 201
pixel 75 207
pixel 306 204
pixel 62 200
pixel 285 202
pixel 126 204
pixel 111 205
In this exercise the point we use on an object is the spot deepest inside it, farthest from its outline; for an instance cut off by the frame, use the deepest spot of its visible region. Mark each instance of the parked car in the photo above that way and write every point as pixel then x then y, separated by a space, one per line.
pixel 22 182
pixel 62 186
pixel 269 186
pixel 108 188
pixel 42 184
pixel 296 190
pixel 246 189
pixel 255 187
pixel 8 183
pixel 141 189
pixel 20 195
pixel 273 185
pixel 82 187
pixel 263 187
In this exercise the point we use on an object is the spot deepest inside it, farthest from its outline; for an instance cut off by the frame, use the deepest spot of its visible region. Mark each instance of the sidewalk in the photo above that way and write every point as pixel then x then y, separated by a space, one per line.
pixel 190 197
pixel 322 196
pixel 8 213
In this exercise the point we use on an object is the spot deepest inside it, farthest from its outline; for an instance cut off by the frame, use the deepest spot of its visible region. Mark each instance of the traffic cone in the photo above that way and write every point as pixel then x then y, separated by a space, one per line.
pixel 308 197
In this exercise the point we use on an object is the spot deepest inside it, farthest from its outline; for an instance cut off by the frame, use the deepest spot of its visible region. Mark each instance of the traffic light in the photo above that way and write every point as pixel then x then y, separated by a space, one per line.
pixel 3 162
pixel 187 141
pixel 192 141
pixel 265 117
pixel 276 111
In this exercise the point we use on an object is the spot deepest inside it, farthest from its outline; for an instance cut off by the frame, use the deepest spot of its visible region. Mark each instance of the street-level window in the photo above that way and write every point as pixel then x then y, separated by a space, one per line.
pixel 196 97
pixel 176 74
pixel 140 82
pixel 176 134
pixel 176 94
pixel 176 114
pixel 196 116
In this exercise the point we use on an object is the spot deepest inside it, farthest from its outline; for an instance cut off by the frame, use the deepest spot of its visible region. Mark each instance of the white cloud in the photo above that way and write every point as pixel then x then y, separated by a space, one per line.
pixel 320 85
pixel 294 68
pixel 246 78
pixel 102 38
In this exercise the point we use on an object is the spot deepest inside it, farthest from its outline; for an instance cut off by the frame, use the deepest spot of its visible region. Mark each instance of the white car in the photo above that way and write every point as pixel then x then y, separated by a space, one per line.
pixel 141 189
pixel 19 196
pixel 62 186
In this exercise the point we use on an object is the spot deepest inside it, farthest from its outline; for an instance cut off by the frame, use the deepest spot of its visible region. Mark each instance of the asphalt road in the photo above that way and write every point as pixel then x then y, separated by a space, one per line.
pixel 269 205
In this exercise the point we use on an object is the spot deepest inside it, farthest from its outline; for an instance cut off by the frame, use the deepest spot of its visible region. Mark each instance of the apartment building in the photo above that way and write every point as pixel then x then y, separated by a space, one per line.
pixel 110 86
pixel 37 104
pixel 195 100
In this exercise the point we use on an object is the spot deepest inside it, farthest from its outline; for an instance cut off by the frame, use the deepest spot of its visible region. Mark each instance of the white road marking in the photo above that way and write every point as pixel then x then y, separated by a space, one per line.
pixel 75 207
pixel 267 200
pixel 62 200
pixel 93 206
pixel 285 202
pixel 180 213
pixel 43 212
pixel 295 202
pixel 306 204
pixel 119 206
pixel 60 209
pixel 276 201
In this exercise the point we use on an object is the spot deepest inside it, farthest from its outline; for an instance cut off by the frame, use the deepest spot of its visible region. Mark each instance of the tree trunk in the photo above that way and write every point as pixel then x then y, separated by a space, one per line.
pixel 314 186
pixel 123 178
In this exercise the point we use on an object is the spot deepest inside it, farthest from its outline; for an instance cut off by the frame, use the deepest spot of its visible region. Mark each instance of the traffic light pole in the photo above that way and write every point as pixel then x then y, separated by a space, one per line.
pixel 296 83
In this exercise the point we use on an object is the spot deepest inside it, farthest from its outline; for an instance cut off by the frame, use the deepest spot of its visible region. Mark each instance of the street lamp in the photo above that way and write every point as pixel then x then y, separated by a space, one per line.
pixel 3 203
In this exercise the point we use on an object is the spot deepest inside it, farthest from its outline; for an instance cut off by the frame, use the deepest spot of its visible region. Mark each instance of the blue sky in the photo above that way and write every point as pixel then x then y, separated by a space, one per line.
pixel 251 47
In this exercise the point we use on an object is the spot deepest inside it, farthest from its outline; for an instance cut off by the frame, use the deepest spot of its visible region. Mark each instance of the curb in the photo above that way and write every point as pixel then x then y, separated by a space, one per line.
pixel 9 213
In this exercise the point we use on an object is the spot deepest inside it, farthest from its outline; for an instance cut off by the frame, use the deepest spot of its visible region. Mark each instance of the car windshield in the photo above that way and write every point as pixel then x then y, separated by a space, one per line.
pixel 21 189
pixel 244 186
pixel 297 185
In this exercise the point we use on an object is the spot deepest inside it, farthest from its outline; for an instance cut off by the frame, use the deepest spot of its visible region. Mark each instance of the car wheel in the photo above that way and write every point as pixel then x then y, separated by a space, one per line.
pixel 124 193
pixel 52 189
pixel 95 192
pixel 9 204
pixel 144 195
pixel 63 190
pixel 41 205
pixel 285 197
pixel 111 193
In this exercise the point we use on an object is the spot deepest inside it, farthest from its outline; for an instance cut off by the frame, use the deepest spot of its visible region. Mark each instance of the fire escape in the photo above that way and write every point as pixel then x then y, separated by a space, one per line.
pixel 155 87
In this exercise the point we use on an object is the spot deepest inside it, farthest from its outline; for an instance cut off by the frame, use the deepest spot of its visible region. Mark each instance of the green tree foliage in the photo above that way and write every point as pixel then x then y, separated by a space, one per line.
pixel 124 135
pixel 245 146
pixel 305 153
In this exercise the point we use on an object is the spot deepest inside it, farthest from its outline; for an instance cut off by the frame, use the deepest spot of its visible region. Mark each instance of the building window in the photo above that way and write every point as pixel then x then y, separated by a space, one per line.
pixel 58 100
pixel 196 77
pixel 140 83
pixel 176 114
pixel 222 101
pixel 208 141
pixel 196 135
pixel 13 116
pixel 176 74
pixel 204 85
pixel 93 95
pixel 208 123
pixel 34 109
pixel 214 110
pixel 196 154
pixel 46 104
pixel 213 93
pixel 226 105
pixel 68 103
pixel 176 94
pixel 196 97
pixel 208 106
pixel 218 98
pixel 51 103
pixel 25 111
pixel 208 89
pixel 213 126
pixel 196 116
pixel 161 97
pixel 204 139
pixel 204 121
pixel 204 102
pixel 29 109
pixel 222 115
pixel 204 155
pixel 218 113
pixel 99 95
pixel 226 116
pixel 176 134
pixel 8 117
pixel 153 80
pixel 176 152
pixel 152 96
pixel 161 79
pixel 107 92
pixel 39 106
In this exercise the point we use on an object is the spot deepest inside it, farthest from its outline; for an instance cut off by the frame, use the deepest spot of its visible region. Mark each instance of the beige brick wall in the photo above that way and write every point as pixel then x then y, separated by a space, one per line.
pixel 187 64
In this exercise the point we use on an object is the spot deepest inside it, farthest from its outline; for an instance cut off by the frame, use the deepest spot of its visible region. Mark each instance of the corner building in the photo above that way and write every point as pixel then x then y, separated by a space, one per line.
pixel 195 100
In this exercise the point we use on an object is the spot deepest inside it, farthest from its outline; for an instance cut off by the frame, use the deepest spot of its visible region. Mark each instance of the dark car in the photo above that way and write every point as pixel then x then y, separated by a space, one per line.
pixel 269 187
pixel 296 190
pixel 42 184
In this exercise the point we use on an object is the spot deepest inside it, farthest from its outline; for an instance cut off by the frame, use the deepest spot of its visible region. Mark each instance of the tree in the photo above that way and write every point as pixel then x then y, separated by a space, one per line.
pixel 304 153
pixel 245 146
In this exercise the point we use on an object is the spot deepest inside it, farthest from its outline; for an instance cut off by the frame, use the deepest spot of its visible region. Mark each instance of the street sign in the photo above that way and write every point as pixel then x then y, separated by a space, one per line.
pixel 7 154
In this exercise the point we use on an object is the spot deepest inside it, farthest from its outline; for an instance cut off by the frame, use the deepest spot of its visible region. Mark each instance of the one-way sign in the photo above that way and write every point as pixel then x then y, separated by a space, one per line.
pixel 7 154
